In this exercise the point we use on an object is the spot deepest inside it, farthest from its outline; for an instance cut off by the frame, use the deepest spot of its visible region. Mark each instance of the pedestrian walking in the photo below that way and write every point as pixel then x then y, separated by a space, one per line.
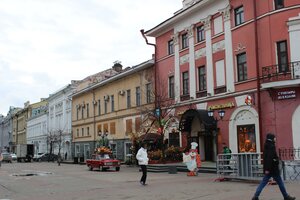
pixel 271 168
pixel 142 157
pixel 227 155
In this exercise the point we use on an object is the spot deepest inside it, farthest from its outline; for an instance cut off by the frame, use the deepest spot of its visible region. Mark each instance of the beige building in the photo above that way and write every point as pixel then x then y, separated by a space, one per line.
pixel 108 111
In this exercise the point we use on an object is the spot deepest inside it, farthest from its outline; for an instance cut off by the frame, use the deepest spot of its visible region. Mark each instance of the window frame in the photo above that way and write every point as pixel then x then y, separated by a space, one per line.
pixel 184 41
pixel 242 66
pixel 278 5
pixel 112 101
pixel 171 47
pixel 171 89
pixel 148 93
pixel 239 15
pixel 282 57
pixel 128 98
pixel 185 83
pixel 138 96
pixel 200 33
pixel 202 78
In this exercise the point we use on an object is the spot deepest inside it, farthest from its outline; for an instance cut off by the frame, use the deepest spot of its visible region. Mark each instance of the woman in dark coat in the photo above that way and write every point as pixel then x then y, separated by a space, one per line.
pixel 271 168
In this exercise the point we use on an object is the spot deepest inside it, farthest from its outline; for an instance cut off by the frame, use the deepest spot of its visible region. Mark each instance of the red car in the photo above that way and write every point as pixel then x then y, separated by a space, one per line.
pixel 103 162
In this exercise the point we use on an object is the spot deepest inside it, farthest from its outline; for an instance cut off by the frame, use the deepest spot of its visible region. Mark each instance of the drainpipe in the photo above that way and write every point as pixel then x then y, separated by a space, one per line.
pixel 258 77
pixel 155 71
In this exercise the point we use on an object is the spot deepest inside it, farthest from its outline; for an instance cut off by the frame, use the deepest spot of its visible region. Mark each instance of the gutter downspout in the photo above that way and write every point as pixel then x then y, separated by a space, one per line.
pixel 155 71
pixel 258 77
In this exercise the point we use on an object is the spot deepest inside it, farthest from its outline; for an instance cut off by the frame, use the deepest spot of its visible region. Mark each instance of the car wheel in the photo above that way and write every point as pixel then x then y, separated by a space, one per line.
pixel 117 169
pixel 90 168
pixel 103 169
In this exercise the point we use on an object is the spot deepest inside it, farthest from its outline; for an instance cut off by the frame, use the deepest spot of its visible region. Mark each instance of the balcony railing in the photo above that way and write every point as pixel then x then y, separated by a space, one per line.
pixel 289 71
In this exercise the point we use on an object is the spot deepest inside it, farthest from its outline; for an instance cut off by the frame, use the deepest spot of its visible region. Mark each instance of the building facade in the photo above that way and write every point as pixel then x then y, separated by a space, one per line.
pixel 37 126
pixel 59 132
pixel 109 111
pixel 214 56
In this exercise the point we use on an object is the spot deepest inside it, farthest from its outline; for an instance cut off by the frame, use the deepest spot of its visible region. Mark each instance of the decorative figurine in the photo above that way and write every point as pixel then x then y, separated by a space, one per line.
pixel 192 160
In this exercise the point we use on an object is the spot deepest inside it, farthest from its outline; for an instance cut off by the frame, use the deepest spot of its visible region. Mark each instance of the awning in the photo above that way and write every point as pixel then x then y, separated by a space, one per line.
pixel 188 116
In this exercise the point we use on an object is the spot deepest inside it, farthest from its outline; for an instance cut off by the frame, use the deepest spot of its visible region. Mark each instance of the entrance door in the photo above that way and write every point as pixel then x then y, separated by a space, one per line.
pixel 208 147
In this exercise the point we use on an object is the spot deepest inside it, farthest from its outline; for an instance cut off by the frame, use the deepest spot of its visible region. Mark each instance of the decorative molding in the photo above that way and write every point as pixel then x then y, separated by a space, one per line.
pixel 184 59
pixel 175 38
pixel 239 47
pixel 200 53
pixel 206 22
pixel 219 46
pixel 226 13
pixel 190 31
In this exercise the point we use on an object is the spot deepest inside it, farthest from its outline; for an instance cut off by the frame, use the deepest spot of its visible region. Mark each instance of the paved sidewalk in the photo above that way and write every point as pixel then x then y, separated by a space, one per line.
pixel 45 181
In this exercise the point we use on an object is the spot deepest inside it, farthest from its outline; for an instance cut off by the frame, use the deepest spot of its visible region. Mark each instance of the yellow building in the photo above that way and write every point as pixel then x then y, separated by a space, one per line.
pixel 110 110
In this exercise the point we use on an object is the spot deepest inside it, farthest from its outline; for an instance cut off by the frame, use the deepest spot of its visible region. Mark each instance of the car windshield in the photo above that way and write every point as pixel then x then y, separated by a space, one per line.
pixel 104 156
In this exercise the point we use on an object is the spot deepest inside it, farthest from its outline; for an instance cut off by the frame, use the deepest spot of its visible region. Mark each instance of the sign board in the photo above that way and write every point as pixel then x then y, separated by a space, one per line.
pixel 287 94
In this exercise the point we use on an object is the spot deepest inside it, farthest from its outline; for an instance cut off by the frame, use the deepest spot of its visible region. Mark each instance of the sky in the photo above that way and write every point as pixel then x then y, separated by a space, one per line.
pixel 44 44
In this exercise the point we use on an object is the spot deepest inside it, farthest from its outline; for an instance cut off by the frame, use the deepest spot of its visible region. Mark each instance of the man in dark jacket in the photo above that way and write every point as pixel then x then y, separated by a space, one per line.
pixel 271 168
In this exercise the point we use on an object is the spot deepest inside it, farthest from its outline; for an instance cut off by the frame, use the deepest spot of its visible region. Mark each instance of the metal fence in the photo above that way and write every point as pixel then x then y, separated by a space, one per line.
pixel 244 166
pixel 290 158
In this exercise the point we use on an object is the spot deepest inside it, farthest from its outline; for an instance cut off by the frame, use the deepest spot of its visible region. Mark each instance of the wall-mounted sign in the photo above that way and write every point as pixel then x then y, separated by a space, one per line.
pixel 287 94
pixel 221 106
pixel 248 100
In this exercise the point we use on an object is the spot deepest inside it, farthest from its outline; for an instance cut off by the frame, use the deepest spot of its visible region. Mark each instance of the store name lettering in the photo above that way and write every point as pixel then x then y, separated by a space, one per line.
pixel 286 95
pixel 220 106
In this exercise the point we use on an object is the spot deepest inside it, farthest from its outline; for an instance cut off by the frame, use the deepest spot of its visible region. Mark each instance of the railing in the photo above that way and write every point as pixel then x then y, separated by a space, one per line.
pixel 244 166
pixel 289 71
pixel 290 158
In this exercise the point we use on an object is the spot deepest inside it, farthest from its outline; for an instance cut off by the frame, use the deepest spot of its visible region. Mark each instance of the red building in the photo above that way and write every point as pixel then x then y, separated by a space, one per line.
pixel 237 56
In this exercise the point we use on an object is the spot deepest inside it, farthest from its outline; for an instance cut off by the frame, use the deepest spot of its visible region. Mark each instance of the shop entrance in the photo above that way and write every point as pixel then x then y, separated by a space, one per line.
pixel 200 128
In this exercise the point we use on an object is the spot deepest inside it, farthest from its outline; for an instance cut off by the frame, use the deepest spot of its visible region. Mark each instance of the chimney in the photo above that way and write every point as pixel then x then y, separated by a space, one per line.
pixel 117 66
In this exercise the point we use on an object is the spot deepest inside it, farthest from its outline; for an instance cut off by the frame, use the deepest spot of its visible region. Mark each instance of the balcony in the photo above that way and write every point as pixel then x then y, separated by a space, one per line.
pixel 276 76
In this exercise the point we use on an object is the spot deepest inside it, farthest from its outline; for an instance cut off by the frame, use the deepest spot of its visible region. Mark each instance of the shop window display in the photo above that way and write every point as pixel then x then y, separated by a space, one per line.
pixel 246 138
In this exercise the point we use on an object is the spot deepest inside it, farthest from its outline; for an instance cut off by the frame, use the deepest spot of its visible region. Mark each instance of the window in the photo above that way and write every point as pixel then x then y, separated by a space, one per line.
pixel 282 56
pixel 170 47
pixel 128 98
pixel 105 106
pixel 77 113
pixel 200 33
pixel 148 93
pixel 82 112
pixel 112 128
pixel 88 131
pixel 128 126
pixel 239 15
pixel 77 132
pixel 171 87
pixel 138 96
pixel 246 138
pixel 279 4
pixel 202 78
pixel 184 41
pixel 99 107
pixel 112 101
pixel 82 131
pixel 87 110
pixel 185 83
pixel 174 139
pixel 242 67
pixel 138 122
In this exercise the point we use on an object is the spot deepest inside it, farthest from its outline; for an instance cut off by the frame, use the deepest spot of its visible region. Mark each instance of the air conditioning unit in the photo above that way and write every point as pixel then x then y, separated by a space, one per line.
pixel 122 92
pixel 106 98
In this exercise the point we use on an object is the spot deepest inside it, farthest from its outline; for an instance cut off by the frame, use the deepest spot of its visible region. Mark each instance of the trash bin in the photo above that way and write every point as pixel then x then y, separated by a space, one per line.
pixel 75 160
pixel 172 170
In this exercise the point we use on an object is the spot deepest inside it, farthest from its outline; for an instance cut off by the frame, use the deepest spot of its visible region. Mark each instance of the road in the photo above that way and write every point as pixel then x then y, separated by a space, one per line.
pixel 45 181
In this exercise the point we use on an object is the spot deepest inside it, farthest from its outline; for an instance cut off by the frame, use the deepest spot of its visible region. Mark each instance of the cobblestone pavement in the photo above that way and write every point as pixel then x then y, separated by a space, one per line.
pixel 43 181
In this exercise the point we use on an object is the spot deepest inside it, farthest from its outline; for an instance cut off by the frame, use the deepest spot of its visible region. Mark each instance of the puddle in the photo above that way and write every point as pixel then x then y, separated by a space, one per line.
pixel 33 174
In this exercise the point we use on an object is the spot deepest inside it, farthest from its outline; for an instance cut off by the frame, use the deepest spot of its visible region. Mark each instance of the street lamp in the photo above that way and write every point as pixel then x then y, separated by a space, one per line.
pixel 220 112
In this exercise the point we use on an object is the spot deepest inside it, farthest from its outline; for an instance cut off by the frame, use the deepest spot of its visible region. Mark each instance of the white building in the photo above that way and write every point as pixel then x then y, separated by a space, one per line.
pixel 60 122
pixel 37 128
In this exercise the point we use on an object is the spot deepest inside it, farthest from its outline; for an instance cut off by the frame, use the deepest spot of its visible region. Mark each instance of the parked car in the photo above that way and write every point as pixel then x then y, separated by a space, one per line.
pixel 6 157
pixel 14 157
pixel 103 162
pixel 48 157
pixel 37 156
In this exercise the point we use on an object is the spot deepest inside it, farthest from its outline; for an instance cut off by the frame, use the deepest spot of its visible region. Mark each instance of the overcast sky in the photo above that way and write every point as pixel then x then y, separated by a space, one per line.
pixel 44 44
